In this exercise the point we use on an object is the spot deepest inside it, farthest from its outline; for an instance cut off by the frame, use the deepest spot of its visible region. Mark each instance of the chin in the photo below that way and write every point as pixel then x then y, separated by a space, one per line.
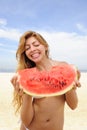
pixel 36 60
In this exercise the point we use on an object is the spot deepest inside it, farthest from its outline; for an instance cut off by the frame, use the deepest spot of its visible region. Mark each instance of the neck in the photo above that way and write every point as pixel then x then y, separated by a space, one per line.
pixel 45 65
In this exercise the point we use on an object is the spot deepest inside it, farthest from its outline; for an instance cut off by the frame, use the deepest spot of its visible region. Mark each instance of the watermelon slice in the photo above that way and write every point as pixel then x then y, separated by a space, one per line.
pixel 57 81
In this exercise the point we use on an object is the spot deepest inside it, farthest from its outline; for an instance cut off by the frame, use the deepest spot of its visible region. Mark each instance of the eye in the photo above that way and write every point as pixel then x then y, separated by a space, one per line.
pixel 27 48
pixel 36 45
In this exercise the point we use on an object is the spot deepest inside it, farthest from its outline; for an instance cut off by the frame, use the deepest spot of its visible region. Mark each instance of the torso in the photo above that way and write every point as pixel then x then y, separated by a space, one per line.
pixel 48 113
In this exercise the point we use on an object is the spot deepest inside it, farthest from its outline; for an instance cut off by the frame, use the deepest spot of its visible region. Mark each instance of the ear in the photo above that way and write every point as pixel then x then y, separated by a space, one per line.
pixel 47 51
pixel 46 48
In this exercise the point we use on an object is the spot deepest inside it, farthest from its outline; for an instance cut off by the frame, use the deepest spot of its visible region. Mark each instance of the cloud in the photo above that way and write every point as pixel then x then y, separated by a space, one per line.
pixel 64 38
pixel 6 50
pixel 1 45
pixel 12 34
pixel 3 21
pixel 81 28
pixel 8 33
pixel 70 47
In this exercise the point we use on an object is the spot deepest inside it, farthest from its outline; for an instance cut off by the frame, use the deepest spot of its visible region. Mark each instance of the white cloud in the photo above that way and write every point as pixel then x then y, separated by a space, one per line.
pixel 1 44
pixel 6 50
pixel 70 47
pixel 3 21
pixel 81 27
pixel 9 33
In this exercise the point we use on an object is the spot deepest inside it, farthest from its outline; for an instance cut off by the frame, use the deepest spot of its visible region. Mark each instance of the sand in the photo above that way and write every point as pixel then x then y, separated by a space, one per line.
pixel 74 119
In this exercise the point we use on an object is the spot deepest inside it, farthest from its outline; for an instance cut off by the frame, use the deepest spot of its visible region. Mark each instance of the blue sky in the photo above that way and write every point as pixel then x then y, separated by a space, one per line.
pixel 63 23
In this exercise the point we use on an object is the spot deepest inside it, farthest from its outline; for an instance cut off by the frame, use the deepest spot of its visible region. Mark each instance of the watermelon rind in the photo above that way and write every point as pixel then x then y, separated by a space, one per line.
pixel 48 95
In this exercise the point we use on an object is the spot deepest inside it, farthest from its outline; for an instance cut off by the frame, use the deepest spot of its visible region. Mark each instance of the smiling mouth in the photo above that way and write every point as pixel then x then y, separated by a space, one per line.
pixel 35 55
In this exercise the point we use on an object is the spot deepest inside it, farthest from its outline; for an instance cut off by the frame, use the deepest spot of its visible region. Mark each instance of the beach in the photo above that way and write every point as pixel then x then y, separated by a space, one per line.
pixel 74 119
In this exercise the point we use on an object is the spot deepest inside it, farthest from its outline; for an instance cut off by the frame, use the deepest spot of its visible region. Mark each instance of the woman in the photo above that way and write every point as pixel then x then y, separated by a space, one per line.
pixel 45 113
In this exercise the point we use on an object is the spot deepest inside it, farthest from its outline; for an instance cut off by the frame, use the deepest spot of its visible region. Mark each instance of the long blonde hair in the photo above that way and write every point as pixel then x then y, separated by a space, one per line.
pixel 24 62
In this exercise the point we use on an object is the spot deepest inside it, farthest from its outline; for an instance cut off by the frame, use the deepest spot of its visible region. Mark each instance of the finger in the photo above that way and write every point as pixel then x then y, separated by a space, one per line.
pixel 21 92
pixel 13 80
pixel 74 86
pixel 17 86
pixel 78 85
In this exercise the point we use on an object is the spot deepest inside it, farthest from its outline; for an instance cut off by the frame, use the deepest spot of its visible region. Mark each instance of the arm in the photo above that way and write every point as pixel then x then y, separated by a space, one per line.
pixel 71 96
pixel 26 107
pixel 27 111
pixel 71 99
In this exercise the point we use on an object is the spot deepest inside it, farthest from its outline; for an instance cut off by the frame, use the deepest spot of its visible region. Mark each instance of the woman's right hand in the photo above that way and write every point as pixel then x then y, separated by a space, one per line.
pixel 16 85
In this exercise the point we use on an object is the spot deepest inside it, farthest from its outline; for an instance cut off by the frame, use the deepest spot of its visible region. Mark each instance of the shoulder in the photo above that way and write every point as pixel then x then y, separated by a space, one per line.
pixel 55 63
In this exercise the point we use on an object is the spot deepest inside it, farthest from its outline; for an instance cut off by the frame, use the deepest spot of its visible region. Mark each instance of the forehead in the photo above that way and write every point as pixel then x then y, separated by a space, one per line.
pixel 31 40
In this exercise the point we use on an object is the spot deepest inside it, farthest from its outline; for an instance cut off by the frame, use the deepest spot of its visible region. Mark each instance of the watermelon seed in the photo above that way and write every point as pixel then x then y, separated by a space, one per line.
pixel 62 84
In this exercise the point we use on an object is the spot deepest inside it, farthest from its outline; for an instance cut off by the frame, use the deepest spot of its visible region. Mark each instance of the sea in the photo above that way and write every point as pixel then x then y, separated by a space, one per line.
pixel 14 70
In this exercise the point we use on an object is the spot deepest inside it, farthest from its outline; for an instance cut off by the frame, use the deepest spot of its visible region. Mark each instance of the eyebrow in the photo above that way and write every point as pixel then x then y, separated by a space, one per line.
pixel 31 43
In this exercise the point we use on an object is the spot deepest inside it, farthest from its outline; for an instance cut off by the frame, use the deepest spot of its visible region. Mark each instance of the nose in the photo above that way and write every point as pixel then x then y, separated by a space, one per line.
pixel 32 48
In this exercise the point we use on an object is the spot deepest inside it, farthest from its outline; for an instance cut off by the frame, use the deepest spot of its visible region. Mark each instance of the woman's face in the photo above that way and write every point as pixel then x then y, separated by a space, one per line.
pixel 34 50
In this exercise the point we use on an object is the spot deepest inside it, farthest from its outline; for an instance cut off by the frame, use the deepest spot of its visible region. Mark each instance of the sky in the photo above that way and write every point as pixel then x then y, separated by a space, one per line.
pixel 63 23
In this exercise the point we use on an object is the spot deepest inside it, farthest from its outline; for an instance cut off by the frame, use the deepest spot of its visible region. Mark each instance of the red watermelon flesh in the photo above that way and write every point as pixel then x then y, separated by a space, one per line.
pixel 57 81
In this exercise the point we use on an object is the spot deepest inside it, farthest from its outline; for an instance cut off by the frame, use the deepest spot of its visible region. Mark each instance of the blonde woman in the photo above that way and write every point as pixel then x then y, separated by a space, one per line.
pixel 45 113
